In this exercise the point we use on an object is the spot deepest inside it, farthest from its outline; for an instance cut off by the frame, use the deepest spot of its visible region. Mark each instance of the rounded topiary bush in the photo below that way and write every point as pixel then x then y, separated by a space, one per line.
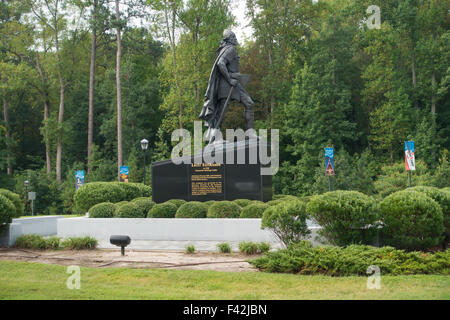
pixel 346 217
pixel 275 202
pixel 412 220
pixel 210 203
pixel 129 210
pixel 224 209
pixel 163 210
pixel 442 198
pixel 134 190
pixel 102 210
pixel 287 221
pixel 7 210
pixel 254 210
pixel 144 204
pixel 177 202
pixel 242 202
pixel 15 199
pixel 192 209
pixel 93 193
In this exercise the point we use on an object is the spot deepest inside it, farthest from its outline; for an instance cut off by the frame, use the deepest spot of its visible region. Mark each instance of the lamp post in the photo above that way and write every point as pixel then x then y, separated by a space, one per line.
pixel 144 146
pixel 26 183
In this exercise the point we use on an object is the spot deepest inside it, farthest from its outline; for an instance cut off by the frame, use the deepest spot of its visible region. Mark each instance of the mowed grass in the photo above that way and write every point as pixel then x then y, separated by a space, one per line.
pixel 22 280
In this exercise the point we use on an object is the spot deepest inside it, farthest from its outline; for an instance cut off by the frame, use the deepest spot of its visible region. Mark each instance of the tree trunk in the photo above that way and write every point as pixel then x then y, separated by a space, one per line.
pixel 414 77
pixel 119 95
pixel 91 91
pixel 8 135
pixel 46 115
pixel 433 95
pixel 60 120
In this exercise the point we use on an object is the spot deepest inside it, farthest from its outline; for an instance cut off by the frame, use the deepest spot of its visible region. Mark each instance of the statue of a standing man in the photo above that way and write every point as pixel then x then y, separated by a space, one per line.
pixel 224 85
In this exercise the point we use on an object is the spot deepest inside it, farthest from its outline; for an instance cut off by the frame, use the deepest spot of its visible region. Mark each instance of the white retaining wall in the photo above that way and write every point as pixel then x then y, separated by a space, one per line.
pixel 45 226
pixel 164 230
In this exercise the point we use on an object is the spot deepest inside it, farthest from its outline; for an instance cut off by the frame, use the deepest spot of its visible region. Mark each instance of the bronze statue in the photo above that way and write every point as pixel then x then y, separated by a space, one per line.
pixel 225 85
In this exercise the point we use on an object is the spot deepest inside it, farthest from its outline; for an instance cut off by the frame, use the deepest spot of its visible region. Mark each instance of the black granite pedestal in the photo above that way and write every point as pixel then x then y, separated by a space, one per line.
pixel 200 180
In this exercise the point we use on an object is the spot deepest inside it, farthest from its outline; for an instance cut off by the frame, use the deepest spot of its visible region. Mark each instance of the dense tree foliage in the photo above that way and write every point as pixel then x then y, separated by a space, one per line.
pixel 319 74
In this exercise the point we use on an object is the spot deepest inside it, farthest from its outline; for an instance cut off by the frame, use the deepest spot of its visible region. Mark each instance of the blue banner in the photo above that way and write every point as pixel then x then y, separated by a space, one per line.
pixel 329 161
pixel 124 173
pixel 410 160
pixel 79 179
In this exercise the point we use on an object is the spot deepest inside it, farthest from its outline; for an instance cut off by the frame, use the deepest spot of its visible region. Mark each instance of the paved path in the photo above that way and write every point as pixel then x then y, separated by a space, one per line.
pixel 210 246
pixel 106 258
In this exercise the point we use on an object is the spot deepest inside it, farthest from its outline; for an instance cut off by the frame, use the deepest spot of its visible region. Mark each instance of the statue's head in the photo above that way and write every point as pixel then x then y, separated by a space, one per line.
pixel 230 37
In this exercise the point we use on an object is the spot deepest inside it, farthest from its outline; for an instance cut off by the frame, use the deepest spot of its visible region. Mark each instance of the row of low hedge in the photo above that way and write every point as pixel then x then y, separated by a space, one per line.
pixel 303 258
pixel 145 207
pixel 98 192
pixel 33 241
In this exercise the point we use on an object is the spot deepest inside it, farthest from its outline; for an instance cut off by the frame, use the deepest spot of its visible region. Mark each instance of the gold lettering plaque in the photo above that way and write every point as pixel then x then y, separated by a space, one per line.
pixel 206 180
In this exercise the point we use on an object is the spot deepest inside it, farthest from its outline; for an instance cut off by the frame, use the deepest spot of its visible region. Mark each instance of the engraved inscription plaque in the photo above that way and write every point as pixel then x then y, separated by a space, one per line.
pixel 207 181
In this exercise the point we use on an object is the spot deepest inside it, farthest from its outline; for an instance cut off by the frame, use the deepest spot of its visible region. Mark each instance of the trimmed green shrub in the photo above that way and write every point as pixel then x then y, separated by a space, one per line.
pixel 275 202
pixel 303 258
pixel 346 217
pixel 142 198
pixel 15 199
pixel 7 210
pixel 224 209
pixel 121 203
pixel 38 242
pixel 192 209
pixel 163 210
pixel 210 203
pixel 412 220
pixel 254 210
pixel 93 193
pixel 177 202
pixel 144 204
pixel 442 198
pixel 103 210
pixel 82 243
pixel 278 196
pixel 287 221
pixel 134 190
pixel 242 202
pixel 190 249
pixel 224 247
pixel 129 210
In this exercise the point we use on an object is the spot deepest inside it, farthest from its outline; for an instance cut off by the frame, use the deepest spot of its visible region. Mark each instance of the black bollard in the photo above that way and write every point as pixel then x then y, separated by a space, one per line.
pixel 120 241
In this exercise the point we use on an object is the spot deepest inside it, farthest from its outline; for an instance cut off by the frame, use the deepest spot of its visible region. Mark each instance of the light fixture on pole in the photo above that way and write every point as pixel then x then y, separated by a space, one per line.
pixel 144 146
pixel 26 183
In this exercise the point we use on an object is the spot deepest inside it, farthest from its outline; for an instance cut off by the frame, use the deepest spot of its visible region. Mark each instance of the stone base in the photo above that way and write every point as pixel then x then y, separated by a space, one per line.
pixel 224 171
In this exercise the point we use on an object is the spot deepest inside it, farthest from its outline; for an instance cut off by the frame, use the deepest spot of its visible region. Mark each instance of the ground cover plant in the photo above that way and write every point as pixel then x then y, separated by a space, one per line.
pixel 303 258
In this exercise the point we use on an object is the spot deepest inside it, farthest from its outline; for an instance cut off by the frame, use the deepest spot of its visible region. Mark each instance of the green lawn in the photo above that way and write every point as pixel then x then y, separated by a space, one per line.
pixel 21 280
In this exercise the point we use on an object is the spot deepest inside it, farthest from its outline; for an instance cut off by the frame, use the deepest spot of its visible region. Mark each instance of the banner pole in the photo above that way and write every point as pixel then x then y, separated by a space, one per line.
pixel 329 183
pixel 409 173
